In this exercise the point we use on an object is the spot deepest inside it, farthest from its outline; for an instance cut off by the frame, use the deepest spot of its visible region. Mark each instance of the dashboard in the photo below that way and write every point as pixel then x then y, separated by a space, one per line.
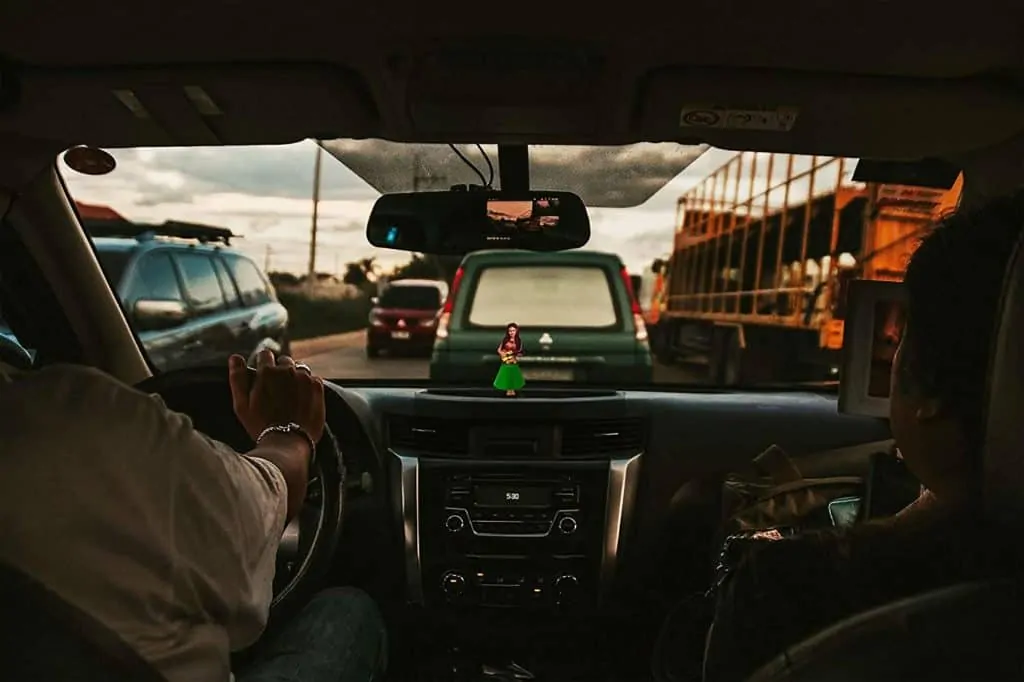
pixel 545 502
pixel 558 500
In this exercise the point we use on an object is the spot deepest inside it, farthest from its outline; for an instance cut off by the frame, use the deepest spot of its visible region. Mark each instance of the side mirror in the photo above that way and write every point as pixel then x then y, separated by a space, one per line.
pixel 154 315
pixel 375 300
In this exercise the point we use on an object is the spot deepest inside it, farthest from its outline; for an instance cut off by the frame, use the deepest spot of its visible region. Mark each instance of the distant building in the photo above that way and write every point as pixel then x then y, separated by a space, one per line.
pixel 97 212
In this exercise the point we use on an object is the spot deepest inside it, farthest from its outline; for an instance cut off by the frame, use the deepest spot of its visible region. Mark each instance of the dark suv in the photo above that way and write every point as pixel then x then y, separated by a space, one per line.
pixel 192 300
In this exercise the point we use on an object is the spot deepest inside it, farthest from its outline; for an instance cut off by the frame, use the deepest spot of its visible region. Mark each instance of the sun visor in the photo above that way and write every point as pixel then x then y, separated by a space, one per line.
pixel 480 92
pixel 806 113
pixel 193 106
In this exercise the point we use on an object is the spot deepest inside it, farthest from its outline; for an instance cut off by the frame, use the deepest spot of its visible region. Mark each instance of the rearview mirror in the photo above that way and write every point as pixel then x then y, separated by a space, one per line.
pixel 154 315
pixel 458 222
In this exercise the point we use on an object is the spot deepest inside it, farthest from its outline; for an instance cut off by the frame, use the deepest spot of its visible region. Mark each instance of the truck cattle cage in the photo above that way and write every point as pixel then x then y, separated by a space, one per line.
pixel 763 246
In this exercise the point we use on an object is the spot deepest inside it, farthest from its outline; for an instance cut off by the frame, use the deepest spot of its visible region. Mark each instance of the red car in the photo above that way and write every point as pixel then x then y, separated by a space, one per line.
pixel 404 318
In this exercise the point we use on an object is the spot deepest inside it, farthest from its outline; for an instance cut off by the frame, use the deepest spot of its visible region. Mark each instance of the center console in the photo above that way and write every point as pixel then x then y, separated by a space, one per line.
pixel 513 516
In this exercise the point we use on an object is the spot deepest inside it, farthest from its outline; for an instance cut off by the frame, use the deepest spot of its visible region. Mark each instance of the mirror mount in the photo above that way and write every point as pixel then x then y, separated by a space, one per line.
pixel 514 167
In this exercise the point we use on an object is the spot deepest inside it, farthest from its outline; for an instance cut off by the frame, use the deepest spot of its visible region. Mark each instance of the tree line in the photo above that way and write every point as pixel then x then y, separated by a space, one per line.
pixel 365 272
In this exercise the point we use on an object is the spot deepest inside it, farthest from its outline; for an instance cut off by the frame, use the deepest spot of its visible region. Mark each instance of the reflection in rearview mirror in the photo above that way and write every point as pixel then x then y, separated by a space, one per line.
pixel 458 222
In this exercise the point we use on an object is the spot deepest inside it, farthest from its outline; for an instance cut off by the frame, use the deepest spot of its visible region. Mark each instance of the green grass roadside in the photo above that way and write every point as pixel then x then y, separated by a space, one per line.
pixel 313 316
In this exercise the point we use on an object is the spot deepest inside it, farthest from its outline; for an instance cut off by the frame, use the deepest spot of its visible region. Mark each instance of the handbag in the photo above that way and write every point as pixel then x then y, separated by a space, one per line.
pixel 777 495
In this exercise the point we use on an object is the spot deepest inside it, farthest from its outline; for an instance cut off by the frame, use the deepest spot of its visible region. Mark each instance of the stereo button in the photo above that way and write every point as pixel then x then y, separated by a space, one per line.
pixel 453 584
pixel 567 525
pixel 454 523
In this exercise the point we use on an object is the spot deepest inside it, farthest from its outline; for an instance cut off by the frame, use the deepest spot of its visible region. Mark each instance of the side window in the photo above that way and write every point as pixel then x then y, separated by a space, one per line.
pixel 201 285
pixel 251 284
pixel 154 279
pixel 227 285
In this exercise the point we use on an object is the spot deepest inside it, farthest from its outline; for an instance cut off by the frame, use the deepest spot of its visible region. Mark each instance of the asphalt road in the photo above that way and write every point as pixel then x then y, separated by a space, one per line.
pixel 346 359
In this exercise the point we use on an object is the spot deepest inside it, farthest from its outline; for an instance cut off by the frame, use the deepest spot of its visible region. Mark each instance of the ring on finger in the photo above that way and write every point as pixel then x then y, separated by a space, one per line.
pixel 303 367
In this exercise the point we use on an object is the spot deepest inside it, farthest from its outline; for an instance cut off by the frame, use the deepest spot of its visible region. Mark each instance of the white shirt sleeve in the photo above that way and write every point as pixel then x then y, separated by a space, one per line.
pixel 229 512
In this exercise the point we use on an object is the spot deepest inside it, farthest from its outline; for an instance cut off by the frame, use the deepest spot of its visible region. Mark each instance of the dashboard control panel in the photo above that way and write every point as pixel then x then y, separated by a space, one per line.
pixel 529 535
pixel 507 587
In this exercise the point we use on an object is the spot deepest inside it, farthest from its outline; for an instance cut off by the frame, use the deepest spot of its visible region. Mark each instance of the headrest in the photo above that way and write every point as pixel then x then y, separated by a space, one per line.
pixel 1004 430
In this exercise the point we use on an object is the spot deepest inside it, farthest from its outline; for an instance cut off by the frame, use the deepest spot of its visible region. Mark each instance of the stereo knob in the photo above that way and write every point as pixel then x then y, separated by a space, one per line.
pixel 454 523
pixel 567 525
pixel 453 584
pixel 566 589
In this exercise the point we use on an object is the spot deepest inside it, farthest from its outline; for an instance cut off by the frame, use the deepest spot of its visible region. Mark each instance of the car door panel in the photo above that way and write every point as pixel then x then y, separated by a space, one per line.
pixel 154 276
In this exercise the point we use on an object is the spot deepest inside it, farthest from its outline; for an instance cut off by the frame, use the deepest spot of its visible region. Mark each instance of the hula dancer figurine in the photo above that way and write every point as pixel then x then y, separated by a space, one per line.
pixel 510 378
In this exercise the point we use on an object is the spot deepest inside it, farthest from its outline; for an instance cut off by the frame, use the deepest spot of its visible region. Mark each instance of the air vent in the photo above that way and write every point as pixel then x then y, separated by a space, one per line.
pixel 429 435
pixel 600 438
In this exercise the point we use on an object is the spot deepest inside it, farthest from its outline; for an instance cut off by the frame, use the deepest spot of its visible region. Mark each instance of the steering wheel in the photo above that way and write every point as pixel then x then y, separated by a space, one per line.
pixel 309 540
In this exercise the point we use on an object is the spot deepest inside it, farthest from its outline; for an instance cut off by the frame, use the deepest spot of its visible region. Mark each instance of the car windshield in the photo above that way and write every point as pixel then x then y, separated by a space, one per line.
pixel 705 266
pixel 411 298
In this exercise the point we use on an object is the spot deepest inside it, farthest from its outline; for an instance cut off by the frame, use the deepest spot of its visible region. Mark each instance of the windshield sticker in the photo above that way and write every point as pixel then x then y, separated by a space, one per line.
pixel 778 119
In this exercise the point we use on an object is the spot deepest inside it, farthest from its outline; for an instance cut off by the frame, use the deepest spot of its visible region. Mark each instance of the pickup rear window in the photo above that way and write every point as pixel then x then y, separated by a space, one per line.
pixel 566 296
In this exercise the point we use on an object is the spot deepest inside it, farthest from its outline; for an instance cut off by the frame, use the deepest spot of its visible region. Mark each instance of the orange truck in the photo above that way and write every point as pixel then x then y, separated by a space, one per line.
pixel 754 286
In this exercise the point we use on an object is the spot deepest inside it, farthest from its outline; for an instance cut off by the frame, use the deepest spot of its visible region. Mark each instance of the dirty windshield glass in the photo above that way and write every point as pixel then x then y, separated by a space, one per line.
pixel 703 263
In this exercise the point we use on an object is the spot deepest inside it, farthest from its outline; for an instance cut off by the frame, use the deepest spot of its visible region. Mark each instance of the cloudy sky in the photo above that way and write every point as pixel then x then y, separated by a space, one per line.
pixel 264 193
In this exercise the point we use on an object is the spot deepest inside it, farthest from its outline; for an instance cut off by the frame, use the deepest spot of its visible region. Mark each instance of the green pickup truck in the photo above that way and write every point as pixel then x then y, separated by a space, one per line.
pixel 579 320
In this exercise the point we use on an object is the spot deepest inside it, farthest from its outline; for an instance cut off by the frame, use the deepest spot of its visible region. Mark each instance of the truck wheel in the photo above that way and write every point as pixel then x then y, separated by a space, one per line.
pixel 732 361
pixel 661 344
pixel 372 352
pixel 725 364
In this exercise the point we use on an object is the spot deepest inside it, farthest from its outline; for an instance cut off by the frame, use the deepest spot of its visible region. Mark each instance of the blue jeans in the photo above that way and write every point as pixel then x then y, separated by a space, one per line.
pixel 339 636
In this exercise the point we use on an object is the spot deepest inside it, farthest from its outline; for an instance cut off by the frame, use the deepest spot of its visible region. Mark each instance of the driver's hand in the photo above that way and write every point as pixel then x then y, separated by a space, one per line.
pixel 280 393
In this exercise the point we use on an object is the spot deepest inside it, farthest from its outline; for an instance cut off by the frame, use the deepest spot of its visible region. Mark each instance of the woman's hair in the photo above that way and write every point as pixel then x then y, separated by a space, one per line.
pixel 508 337
pixel 954 283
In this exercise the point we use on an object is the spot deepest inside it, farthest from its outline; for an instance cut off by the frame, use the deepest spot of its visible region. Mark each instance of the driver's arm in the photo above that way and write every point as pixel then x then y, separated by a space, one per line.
pixel 229 512
pixel 290 453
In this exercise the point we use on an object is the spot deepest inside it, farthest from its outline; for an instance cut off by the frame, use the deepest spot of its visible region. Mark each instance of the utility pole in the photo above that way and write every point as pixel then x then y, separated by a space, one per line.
pixel 266 259
pixel 311 273
pixel 337 272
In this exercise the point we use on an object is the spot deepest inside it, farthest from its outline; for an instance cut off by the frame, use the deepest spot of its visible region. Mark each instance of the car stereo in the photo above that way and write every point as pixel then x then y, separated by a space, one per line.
pixel 491 535
pixel 524 508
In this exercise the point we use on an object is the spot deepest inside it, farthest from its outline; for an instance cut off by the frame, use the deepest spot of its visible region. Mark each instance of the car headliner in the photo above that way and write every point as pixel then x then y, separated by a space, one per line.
pixel 886 80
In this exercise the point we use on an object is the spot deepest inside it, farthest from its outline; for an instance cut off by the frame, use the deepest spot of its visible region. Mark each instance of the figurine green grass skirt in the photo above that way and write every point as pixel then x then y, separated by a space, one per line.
pixel 509 378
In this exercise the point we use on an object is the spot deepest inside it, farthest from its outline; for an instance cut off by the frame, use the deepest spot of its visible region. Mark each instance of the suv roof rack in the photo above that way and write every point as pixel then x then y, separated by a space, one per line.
pixel 204 234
